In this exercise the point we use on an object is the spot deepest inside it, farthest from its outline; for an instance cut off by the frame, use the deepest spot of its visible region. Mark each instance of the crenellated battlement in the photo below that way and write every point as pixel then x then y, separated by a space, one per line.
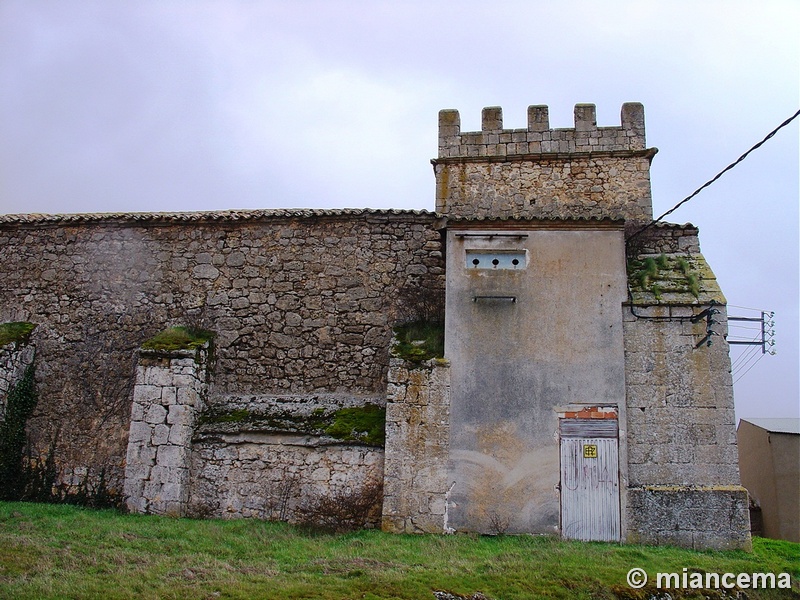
pixel 541 172
pixel 539 138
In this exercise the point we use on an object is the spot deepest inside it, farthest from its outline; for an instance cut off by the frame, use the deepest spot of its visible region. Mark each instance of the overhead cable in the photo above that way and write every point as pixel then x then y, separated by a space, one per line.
pixel 717 176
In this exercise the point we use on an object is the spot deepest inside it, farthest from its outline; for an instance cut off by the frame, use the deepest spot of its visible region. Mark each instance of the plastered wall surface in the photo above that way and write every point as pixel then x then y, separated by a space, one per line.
pixel 522 342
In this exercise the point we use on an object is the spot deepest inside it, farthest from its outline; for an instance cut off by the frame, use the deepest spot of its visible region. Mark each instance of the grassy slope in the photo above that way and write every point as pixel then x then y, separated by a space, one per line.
pixel 49 551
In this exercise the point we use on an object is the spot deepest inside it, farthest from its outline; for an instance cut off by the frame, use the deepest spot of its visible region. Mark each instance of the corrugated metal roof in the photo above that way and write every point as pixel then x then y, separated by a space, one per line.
pixel 776 425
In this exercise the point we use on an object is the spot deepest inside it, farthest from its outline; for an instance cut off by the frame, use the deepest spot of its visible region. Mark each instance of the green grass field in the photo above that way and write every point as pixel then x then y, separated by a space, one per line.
pixel 56 551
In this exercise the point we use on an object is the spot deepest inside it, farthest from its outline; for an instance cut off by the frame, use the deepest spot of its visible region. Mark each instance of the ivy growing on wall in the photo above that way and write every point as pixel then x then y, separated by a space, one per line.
pixel 20 402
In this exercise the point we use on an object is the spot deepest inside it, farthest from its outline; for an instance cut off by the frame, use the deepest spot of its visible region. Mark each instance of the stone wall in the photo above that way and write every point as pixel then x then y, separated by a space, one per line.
pixel 263 457
pixel 540 172
pixel 415 480
pixel 270 475
pixel 538 137
pixel 667 238
pixel 301 301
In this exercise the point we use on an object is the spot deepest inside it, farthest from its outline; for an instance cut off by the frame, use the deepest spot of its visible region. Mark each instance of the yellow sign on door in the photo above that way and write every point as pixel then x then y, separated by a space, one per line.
pixel 590 451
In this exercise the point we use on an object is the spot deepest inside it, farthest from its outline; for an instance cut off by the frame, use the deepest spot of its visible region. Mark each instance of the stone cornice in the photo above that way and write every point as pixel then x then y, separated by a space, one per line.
pixel 539 157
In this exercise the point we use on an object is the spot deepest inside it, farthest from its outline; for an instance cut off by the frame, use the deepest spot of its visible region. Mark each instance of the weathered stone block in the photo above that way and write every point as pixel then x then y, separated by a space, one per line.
pixel 169 395
pixel 146 394
pixel 189 396
pixel 136 473
pixel 161 434
pixel 172 456
pixel 139 432
pixel 155 414
pixel 180 414
pixel 157 377
pixel 695 517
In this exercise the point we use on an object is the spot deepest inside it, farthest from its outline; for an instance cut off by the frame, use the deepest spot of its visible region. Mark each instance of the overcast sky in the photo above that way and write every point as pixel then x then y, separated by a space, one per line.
pixel 176 106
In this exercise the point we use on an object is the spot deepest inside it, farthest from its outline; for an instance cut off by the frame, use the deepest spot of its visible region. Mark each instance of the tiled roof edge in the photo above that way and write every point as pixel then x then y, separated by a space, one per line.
pixel 287 213
pixel 588 218
pixel 204 216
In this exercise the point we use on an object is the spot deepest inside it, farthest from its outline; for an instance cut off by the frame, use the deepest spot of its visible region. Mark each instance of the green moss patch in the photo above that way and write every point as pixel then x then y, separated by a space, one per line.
pixel 419 341
pixel 364 424
pixel 361 424
pixel 275 420
pixel 17 332
pixel 179 338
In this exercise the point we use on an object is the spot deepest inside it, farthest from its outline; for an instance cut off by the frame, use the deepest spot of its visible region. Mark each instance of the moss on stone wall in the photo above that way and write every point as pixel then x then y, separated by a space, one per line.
pixel 361 424
pixel 17 332
pixel 178 338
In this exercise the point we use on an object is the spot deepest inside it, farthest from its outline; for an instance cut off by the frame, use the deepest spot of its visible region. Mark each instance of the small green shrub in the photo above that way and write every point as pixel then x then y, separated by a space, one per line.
pixel 178 338
pixel 419 341
pixel 656 289
pixel 694 284
pixel 15 332
pixel 650 267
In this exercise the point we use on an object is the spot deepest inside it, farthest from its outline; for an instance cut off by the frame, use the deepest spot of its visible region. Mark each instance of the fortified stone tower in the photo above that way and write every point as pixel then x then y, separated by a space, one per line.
pixel 580 401
pixel 543 173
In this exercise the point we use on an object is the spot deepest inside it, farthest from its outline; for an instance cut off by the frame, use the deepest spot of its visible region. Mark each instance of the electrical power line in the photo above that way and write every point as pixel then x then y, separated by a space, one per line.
pixel 744 358
pixel 748 370
pixel 717 176
pixel 748 308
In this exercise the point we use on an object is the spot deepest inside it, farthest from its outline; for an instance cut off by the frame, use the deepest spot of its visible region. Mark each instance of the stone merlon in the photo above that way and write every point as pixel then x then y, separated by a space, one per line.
pixel 538 138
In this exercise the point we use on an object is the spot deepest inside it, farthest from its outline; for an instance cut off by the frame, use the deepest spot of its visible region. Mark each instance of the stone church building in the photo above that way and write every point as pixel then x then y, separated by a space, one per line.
pixel 583 390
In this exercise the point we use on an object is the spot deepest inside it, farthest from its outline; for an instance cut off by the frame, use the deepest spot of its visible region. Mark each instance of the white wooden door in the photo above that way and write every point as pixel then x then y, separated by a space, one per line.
pixel 590 489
